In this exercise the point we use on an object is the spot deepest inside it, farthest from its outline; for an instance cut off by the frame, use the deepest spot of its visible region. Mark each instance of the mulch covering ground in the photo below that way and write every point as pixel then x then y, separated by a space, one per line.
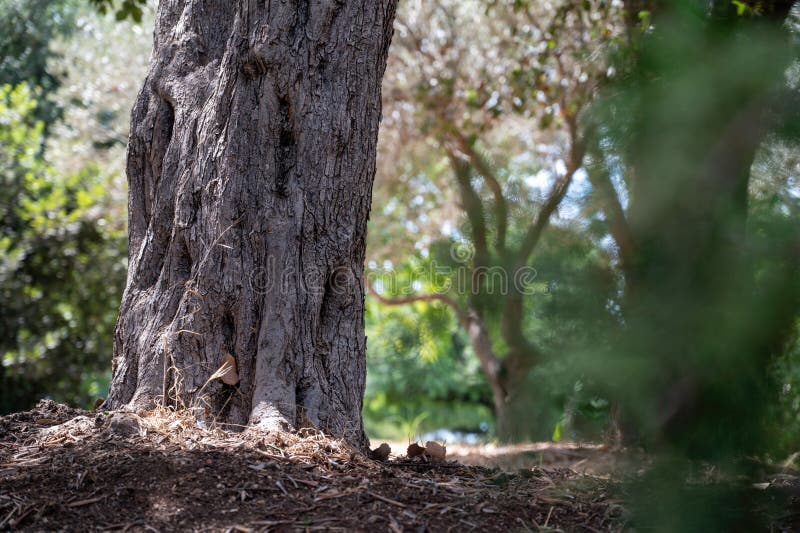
pixel 68 469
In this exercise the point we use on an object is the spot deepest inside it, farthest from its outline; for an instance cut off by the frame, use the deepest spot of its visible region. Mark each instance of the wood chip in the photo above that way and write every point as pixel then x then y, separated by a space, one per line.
pixel 386 500
pixel 394 526
pixel 283 489
pixel 88 501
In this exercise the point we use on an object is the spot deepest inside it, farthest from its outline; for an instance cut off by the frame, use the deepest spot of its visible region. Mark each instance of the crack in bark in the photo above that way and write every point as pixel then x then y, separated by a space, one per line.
pixel 286 153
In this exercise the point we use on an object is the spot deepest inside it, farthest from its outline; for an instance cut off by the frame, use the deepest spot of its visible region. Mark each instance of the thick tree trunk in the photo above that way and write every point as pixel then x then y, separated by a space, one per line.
pixel 250 166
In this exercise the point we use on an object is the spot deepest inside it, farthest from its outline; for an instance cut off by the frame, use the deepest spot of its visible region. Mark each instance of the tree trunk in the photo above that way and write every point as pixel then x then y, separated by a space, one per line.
pixel 499 377
pixel 489 363
pixel 250 167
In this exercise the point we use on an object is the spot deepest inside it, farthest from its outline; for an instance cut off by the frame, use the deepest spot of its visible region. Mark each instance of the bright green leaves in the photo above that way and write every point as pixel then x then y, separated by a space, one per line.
pixel 421 374
pixel 742 8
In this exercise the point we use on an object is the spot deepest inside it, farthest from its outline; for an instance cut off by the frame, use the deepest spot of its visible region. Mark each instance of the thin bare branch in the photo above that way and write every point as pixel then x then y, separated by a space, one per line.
pixel 471 203
pixel 612 207
pixel 554 198
pixel 500 204
pixel 461 314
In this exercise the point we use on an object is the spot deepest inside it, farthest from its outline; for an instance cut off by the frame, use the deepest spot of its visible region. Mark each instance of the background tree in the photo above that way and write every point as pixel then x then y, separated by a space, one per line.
pixel 522 84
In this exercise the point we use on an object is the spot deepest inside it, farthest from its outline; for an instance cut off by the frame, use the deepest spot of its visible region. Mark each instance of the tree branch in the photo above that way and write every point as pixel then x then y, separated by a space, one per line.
pixel 461 314
pixel 612 207
pixel 473 207
pixel 501 205
pixel 557 193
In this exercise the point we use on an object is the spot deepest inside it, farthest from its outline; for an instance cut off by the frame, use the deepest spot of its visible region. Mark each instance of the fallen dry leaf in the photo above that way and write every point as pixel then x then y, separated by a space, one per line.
pixel 414 450
pixel 46 421
pixel 381 453
pixel 435 450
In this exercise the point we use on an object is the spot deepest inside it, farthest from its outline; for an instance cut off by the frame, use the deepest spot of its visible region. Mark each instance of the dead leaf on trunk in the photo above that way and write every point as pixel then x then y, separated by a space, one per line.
pixel 227 372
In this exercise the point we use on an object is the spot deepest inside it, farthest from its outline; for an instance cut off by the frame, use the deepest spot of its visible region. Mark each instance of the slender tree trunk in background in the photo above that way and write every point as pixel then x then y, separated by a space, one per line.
pixel 250 166
pixel 491 367
pixel 506 376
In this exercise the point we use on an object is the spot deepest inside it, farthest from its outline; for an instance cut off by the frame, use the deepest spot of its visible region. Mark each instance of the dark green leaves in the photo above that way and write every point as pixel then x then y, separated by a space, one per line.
pixel 128 9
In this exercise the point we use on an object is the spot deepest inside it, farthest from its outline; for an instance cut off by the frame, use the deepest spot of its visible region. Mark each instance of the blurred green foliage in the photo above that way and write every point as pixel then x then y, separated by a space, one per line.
pixel 712 290
pixel 27 31
pixel 703 287
pixel 61 268
pixel 419 368
pixel 421 361
pixel 63 243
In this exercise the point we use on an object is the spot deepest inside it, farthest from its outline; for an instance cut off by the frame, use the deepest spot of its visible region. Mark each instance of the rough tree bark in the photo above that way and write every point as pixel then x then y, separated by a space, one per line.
pixel 250 166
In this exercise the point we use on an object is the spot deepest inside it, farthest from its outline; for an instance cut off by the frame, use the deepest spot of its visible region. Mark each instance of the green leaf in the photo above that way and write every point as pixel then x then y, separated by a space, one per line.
pixel 557 433
pixel 741 7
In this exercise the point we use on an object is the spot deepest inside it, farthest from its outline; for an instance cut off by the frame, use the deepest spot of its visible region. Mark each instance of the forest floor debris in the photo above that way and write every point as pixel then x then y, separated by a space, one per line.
pixel 74 470
pixel 158 471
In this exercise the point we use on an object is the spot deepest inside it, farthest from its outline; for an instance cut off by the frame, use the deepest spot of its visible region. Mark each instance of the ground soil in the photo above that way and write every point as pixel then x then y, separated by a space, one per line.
pixel 68 469
pixel 74 470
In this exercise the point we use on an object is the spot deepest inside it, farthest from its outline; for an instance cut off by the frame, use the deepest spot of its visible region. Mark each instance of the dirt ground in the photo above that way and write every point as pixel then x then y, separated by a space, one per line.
pixel 73 470
pixel 67 469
